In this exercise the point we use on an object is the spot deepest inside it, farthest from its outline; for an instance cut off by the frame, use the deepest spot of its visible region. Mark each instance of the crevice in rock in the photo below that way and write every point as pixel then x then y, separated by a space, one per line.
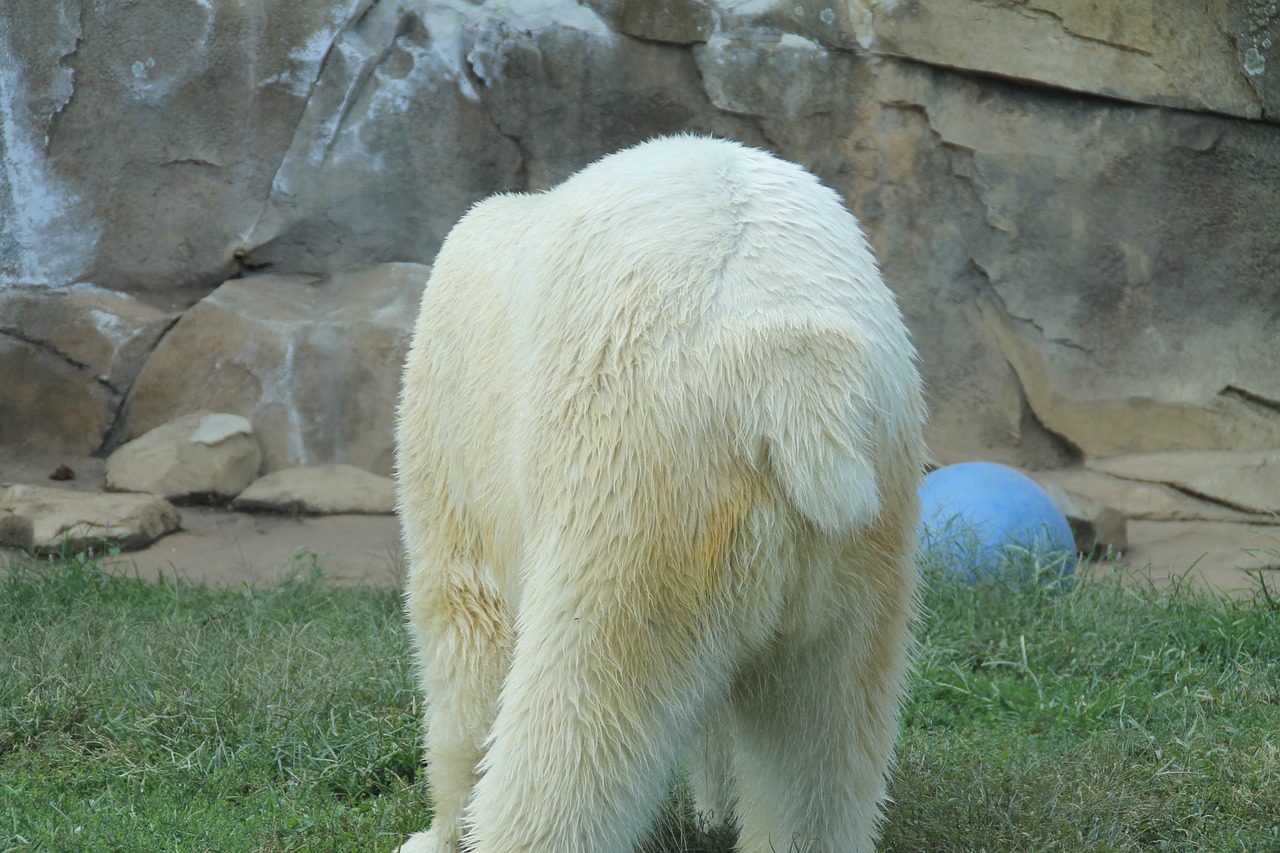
pixel 480 84
pixel 654 40
pixel 364 72
pixel 1183 488
pixel 1041 88
pixel 1033 11
pixel 1004 309
pixel 116 431
pixel 358 13
pixel 66 60
pixel 244 266
pixel 44 347
pixel 1048 447
pixel 1250 397
pixel 191 161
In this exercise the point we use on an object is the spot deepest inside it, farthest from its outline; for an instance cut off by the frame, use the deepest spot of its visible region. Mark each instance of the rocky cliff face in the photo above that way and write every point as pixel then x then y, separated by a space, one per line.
pixel 1076 201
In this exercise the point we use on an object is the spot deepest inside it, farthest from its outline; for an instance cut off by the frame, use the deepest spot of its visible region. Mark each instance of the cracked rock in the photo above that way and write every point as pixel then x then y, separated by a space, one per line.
pixel 1248 482
pixel 1096 527
pixel 67 356
pixel 1139 50
pixel 313 363
pixel 1141 501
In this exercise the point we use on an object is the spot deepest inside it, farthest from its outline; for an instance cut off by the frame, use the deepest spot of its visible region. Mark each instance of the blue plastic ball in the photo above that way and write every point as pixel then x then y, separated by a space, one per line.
pixel 975 515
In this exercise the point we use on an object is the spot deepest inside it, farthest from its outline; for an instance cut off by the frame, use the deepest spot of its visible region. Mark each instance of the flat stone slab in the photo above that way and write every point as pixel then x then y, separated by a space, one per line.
pixel 1247 481
pixel 321 490
pixel 1141 501
pixel 44 520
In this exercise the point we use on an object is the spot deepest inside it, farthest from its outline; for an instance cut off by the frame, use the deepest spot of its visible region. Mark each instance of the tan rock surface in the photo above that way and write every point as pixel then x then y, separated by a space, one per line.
pixel 198 456
pixel 323 490
pixel 1178 53
pixel 1223 556
pixel 67 357
pixel 314 364
pixel 1079 286
pixel 44 520
pixel 1140 501
pixel 1245 481
pixel 218 547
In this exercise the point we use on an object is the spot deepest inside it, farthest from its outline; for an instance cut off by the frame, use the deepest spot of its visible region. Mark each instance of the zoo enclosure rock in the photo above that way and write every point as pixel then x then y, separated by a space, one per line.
pixel 194 457
pixel 313 363
pixel 1069 197
pixel 322 490
pixel 67 358
pixel 43 521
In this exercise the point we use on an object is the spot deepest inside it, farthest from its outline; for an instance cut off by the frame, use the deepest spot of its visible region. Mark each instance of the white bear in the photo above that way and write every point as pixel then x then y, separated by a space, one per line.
pixel 658 452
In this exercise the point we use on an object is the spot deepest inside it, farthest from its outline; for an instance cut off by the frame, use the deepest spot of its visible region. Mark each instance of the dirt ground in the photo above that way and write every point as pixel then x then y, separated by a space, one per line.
pixel 219 547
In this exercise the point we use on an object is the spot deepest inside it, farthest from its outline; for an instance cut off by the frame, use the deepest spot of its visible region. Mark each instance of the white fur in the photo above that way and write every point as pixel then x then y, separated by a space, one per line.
pixel 658 451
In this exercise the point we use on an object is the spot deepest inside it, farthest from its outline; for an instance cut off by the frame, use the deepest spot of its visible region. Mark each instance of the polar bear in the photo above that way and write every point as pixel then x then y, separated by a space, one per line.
pixel 658 450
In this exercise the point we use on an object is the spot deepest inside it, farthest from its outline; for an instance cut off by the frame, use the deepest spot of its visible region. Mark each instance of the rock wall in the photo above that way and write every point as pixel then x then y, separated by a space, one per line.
pixel 1075 200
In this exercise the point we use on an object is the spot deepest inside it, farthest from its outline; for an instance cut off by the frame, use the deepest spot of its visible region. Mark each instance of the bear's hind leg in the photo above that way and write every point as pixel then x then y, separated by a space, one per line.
pixel 814 734
pixel 604 696
pixel 464 635
pixel 710 766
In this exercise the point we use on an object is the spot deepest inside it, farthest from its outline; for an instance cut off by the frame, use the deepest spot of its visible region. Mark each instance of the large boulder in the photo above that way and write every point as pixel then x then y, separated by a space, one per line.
pixel 313 363
pixel 1144 501
pixel 67 357
pixel 1081 277
pixel 49 521
pixel 141 139
pixel 203 456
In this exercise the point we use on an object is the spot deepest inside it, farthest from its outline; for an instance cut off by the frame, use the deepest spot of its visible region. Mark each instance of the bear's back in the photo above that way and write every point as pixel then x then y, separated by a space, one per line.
pixel 676 316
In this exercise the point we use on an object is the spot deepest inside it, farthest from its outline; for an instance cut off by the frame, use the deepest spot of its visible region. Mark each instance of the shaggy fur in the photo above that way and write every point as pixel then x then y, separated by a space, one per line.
pixel 658 451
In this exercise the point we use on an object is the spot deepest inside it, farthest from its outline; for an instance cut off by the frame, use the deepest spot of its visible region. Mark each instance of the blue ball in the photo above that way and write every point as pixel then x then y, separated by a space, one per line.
pixel 974 515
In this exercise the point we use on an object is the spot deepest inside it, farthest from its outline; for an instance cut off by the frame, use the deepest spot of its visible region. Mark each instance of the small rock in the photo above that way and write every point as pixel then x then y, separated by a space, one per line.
pixel 44 521
pixel 1095 526
pixel 193 458
pixel 322 490
pixel 62 472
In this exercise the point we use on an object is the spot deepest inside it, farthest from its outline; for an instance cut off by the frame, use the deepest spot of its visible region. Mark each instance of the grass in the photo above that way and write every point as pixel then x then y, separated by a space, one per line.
pixel 145 716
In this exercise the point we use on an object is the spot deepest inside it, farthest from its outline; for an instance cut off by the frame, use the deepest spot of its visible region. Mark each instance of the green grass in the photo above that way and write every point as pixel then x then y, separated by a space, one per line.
pixel 143 716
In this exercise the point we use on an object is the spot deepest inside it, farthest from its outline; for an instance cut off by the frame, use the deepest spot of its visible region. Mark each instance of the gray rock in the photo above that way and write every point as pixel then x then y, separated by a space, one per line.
pixel 142 138
pixel 313 363
pixel 1081 265
pixel 323 490
pixel 47 521
pixel 195 457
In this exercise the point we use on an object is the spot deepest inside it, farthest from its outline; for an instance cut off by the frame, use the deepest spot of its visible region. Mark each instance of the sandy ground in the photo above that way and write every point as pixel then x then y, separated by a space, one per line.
pixel 216 546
